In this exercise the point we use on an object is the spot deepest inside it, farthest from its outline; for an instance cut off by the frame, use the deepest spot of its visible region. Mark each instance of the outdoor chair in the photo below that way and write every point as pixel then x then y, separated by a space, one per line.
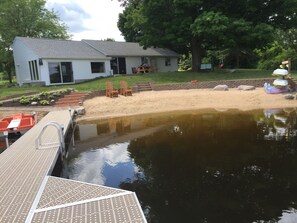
pixel 110 91
pixel 124 89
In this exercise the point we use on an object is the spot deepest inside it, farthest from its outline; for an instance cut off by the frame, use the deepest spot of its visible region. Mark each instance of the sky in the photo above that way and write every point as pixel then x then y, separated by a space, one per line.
pixel 89 19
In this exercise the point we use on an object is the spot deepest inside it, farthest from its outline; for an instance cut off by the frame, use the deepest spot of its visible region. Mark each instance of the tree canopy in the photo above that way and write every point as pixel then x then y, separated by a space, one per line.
pixel 27 18
pixel 198 25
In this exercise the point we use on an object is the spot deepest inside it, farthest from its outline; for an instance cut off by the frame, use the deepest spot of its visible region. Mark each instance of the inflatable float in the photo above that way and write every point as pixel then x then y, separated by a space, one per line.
pixel 274 90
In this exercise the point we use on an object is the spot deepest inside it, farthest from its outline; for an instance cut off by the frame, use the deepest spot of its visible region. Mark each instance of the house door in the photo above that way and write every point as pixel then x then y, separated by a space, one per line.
pixel 67 73
pixel 122 65
pixel 60 72
pixel 114 65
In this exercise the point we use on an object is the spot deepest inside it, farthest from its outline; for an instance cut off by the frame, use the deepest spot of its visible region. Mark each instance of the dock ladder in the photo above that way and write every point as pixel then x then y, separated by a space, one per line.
pixel 60 143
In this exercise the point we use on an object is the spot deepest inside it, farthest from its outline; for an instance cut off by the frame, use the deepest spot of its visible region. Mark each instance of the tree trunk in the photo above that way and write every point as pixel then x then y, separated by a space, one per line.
pixel 10 76
pixel 196 50
pixel 238 59
pixel 7 69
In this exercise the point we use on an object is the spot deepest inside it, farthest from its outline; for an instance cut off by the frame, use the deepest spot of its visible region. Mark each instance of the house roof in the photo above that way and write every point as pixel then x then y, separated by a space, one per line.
pixel 90 49
pixel 111 48
pixel 62 49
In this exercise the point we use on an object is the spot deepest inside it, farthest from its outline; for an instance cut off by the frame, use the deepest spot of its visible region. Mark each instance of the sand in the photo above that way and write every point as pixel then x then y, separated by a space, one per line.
pixel 182 100
pixel 149 102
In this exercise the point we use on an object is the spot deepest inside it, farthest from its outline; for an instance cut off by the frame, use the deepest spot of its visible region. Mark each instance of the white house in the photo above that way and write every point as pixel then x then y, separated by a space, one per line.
pixel 53 62
pixel 126 56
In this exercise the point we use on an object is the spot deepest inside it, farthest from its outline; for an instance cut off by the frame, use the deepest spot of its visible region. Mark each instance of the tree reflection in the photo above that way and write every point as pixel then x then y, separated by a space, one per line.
pixel 217 168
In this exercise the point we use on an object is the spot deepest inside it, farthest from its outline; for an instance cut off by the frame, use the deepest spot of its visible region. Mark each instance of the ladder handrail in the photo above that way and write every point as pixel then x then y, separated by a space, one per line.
pixel 61 142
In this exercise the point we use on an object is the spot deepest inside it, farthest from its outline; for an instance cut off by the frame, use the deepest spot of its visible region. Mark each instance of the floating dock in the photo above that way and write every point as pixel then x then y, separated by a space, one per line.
pixel 29 194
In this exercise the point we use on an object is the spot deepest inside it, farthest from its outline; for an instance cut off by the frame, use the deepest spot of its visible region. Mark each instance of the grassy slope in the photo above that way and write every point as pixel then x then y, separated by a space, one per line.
pixel 157 78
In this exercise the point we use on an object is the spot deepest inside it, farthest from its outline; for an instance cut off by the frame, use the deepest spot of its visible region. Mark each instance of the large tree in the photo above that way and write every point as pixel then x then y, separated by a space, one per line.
pixel 28 18
pixel 199 25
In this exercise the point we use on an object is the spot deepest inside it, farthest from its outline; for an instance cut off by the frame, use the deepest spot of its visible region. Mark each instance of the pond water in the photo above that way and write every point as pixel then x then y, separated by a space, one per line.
pixel 195 167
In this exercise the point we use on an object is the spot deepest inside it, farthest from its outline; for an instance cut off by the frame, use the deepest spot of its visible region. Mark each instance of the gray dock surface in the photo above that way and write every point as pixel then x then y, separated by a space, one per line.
pixel 29 194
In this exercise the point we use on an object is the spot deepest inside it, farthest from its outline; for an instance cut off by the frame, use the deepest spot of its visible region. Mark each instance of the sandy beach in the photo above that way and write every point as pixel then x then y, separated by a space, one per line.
pixel 148 102
pixel 182 100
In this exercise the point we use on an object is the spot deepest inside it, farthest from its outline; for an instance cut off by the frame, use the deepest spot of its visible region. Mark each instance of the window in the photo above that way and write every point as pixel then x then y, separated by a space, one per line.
pixel 167 61
pixel 33 70
pixel 60 72
pixel 98 67
pixel 144 60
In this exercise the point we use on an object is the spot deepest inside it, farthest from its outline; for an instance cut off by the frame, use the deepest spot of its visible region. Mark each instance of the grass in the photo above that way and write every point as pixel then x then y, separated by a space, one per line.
pixel 156 78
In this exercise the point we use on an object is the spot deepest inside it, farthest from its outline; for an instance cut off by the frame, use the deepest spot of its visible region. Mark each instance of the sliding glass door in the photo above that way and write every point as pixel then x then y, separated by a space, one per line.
pixel 60 72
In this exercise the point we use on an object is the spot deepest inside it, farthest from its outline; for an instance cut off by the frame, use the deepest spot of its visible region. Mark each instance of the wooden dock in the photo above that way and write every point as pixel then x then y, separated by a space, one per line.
pixel 29 194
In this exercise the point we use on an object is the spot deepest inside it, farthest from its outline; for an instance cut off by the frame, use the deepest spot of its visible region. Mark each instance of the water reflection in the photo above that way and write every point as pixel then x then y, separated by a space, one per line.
pixel 95 165
pixel 210 167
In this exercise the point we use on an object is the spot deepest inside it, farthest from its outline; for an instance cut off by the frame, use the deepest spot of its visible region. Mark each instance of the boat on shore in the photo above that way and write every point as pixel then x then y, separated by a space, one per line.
pixel 12 127
pixel 18 122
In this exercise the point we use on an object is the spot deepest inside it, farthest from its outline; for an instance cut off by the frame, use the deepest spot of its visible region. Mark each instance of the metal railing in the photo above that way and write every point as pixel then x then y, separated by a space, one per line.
pixel 60 143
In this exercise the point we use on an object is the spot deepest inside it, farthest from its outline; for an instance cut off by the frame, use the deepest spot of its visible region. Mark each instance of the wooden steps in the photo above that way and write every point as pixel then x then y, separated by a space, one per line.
pixel 72 99
pixel 144 86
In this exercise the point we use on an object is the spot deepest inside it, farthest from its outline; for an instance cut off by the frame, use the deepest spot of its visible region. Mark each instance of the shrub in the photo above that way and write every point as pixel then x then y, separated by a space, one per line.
pixel 50 97
pixel 44 94
pixel 44 102
pixel 24 100
pixel 64 91
pixel 34 98
pixel 56 94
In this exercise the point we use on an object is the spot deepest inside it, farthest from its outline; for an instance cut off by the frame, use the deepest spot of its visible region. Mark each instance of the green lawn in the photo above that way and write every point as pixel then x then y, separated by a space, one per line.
pixel 157 78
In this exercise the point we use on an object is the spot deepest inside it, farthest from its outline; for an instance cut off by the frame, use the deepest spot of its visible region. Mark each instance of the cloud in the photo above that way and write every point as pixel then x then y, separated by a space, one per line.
pixel 89 19
pixel 71 14
pixel 104 166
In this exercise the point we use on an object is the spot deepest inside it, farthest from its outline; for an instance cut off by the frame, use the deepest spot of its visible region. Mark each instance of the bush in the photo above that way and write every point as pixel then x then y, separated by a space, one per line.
pixel 56 94
pixel 24 100
pixel 50 97
pixel 64 91
pixel 34 98
pixel 44 102
pixel 44 94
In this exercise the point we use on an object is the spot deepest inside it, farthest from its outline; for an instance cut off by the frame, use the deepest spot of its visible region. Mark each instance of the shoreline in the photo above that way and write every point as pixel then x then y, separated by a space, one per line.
pixel 198 100
pixel 170 101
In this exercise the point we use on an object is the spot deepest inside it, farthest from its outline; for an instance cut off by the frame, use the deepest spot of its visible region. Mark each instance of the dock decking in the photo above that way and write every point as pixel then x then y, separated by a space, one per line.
pixel 29 194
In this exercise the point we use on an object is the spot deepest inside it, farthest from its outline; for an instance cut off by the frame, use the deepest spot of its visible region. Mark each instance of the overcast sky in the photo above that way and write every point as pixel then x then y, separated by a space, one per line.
pixel 89 19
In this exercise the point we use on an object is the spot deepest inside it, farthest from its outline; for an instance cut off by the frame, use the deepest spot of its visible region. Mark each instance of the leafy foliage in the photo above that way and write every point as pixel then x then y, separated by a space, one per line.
pixel 28 18
pixel 283 47
pixel 195 26
pixel 44 102
pixel 24 100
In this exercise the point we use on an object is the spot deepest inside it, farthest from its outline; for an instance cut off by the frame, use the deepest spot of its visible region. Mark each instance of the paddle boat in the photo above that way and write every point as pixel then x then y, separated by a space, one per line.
pixel 14 126
pixel 17 122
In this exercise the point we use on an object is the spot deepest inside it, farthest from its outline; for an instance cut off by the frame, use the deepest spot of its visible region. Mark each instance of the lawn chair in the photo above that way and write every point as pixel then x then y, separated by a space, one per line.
pixel 124 89
pixel 110 91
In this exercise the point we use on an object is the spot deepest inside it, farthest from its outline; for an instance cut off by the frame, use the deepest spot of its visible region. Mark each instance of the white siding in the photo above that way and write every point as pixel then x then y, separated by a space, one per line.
pixel 132 62
pixel 22 56
pixel 163 68
pixel 81 69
